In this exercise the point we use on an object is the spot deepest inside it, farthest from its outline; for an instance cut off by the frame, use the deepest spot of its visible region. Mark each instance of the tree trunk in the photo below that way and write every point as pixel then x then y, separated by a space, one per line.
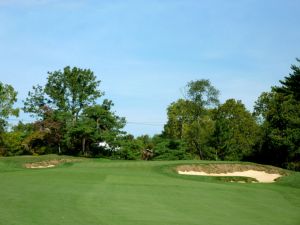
pixel 59 150
pixel 198 149
pixel 83 146
pixel 98 124
pixel 200 153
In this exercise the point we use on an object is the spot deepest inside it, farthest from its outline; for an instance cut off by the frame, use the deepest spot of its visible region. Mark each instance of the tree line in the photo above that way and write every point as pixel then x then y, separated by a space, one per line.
pixel 69 118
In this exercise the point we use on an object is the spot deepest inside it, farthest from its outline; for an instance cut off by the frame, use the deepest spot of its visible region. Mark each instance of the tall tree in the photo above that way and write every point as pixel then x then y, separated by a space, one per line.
pixel 202 97
pixel 279 115
pixel 105 123
pixel 73 89
pixel 178 115
pixel 35 102
pixel 66 108
pixel 198 134
pixel 202 94
pixel 190 119
pixel 291 83
pixel 8 96
pixel 280 122
pixel 236 131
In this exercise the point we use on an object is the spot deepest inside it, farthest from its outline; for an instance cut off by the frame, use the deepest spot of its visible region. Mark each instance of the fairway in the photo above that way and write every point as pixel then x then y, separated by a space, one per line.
pixel 104 192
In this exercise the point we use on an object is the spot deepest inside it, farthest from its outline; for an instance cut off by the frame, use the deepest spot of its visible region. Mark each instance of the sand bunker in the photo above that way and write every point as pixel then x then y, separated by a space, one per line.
pixel 260 176
pixel 47 164
pixel 263 174
pixel 40 167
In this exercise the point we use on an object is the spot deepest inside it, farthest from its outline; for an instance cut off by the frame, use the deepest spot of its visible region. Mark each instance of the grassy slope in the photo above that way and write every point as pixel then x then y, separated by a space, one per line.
pixel 143 193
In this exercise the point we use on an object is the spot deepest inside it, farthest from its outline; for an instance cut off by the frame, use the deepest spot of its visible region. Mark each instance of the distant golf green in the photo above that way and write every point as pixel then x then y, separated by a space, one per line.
pixel 103 192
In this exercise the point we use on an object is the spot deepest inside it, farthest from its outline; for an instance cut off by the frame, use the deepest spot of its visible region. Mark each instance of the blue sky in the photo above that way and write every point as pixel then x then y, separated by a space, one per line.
pixel 145 52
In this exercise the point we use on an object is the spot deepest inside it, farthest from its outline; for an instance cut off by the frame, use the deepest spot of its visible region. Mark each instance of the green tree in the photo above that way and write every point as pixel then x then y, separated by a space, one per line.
pixel 70 90
pixel 35 102
pixel 8 97
pixel 96 124
pixel 130 148
pixel 280 122
pixel 236 132
pixel 202 94
pixel 169 149
pixel 278 112
pixel 198 135
pixel 108 125
pixel 12 143
pixel 291 83
pixel 190 119
pixel 178 115
pixel 66 109
pixel 73 89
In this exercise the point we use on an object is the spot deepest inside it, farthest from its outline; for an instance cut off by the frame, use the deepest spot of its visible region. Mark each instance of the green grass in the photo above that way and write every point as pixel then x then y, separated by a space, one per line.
pixel 103 192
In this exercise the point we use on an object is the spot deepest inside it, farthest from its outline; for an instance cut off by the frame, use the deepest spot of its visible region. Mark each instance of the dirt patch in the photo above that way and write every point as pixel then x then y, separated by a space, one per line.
pixel 47 164
pixel 260 173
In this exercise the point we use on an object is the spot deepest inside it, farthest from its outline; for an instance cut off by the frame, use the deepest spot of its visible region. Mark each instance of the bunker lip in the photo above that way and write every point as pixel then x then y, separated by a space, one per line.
pixel 261 173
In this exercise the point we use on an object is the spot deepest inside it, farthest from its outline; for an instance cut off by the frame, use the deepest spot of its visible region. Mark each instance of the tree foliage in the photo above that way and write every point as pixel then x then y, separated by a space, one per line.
pixel 279 113
pixel 291 83
pixel 281 129
pixel 236 132
pixel 8 96
pixel 202 94
pixel 69 120
pixel 190 119
pixel 178 115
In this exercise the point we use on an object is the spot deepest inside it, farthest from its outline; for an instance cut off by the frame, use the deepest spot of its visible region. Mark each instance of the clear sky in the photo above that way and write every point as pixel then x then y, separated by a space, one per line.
pixel 145 51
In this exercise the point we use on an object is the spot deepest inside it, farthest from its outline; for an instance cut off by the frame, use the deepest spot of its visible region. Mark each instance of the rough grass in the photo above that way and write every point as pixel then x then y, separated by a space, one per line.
pixel 97 192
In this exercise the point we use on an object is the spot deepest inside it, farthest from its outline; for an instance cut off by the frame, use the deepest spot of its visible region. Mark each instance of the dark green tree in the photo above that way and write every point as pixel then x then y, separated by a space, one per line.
pixel 278 112
pixel 291 83
pixel 280 121
pixel 96 124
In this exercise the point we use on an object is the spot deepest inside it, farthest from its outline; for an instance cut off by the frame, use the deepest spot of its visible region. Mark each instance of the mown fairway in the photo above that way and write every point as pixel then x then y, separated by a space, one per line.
pixel 100 192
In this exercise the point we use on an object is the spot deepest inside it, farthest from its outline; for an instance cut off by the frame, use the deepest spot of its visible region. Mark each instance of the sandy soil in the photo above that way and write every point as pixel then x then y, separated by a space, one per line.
pixel 260 176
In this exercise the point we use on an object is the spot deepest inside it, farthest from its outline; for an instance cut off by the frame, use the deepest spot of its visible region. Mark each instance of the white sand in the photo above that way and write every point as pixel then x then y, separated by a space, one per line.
pixel 41 167
pixel 260 176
